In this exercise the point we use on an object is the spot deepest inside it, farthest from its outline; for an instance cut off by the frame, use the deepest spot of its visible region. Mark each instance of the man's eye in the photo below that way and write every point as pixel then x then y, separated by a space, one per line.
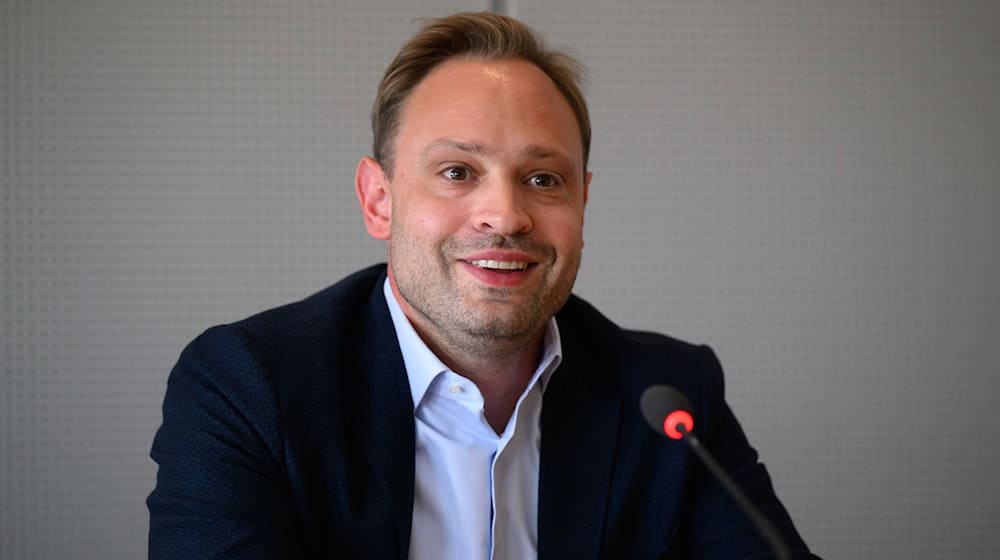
pixel 456 174
pixel 543 180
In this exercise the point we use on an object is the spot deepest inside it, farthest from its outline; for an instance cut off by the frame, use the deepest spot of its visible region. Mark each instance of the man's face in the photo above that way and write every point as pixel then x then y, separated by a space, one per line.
pixel 486 202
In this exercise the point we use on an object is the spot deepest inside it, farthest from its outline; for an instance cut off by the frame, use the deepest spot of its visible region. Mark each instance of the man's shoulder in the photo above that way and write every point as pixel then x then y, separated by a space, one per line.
pixel 342 302
pixel 595 330
pixel 307 330
pixel 626 361
pixel 295 345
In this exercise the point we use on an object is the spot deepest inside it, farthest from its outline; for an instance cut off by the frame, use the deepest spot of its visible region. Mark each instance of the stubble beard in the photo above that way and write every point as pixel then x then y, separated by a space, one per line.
pixel 484 321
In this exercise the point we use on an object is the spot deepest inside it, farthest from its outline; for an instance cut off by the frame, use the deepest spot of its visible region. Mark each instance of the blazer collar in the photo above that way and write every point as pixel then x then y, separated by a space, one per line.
pixel 380 412
pixel 580 431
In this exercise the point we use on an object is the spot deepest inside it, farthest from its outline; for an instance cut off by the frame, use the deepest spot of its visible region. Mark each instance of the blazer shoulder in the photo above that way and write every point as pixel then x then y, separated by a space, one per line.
pixel 339 303
pixel 627 361
pixel 298 345
pixel 585 323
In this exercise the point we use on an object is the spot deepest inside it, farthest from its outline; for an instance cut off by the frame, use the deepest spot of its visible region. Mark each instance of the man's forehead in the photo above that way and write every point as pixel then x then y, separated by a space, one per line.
pixel 481 73
pixel 495 71
pixel 462 102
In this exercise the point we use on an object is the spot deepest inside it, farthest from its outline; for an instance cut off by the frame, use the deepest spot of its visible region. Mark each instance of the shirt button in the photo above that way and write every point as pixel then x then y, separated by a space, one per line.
pixel 456 389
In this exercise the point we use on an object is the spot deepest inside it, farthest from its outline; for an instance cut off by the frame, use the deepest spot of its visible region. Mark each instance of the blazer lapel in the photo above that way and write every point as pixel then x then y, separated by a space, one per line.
pixel 381 416
pixel 579 441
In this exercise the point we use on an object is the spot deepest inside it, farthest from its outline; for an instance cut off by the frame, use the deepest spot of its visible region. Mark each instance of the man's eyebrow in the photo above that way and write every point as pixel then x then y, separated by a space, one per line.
pixel 537 151
pixel 531 150
pixel 452 144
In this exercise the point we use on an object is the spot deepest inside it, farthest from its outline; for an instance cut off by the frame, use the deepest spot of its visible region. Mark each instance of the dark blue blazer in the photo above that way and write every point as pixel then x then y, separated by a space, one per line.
pixel 291 435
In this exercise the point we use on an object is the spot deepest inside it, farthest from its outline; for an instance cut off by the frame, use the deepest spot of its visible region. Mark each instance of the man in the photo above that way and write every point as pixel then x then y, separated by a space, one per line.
pixel 457 402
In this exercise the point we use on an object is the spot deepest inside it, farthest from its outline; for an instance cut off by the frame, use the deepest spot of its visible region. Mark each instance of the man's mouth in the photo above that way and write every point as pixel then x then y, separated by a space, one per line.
pixel 500 265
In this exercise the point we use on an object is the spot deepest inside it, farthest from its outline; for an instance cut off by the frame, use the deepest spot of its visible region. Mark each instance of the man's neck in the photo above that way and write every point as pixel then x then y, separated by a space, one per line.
pixel 500 368
pixel 501 375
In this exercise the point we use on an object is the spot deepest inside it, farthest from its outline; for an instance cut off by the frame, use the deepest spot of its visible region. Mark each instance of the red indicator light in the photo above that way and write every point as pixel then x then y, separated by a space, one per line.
pixel 675 418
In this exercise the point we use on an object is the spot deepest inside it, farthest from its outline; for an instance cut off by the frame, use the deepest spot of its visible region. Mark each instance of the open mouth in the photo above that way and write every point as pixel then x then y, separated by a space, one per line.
pixel 500 266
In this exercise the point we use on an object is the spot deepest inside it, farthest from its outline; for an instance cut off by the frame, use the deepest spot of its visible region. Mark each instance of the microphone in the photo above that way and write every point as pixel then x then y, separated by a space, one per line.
pixel 668 412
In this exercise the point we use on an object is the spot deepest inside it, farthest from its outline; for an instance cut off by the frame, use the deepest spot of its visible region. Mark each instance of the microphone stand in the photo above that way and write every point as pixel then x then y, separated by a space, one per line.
pixel 762 523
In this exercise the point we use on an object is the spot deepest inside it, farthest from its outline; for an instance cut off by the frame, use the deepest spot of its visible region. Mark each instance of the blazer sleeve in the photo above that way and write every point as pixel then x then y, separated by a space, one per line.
pixel 221 487
pixel 717 527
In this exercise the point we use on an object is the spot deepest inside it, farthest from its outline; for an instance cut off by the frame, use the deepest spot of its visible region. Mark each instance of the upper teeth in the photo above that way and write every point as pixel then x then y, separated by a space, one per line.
pixel 502 265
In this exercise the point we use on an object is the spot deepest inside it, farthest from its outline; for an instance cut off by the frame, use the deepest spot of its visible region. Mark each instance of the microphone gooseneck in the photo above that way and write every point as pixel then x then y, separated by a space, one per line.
pixel 668 412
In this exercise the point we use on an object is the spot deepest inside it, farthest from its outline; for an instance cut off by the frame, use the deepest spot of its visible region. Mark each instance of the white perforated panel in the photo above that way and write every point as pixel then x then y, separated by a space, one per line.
pixel 809 187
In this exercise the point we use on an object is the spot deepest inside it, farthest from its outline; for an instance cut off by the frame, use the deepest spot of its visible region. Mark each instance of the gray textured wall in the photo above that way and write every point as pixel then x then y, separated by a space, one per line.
pixel 810 187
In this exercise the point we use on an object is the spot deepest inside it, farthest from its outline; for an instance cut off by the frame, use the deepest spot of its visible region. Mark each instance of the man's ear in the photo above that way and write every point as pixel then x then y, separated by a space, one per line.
pixel 586 192
pixel 376 202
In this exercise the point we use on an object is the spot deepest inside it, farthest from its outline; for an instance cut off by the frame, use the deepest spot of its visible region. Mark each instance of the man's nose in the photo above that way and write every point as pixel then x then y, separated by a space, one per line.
pixel 502 208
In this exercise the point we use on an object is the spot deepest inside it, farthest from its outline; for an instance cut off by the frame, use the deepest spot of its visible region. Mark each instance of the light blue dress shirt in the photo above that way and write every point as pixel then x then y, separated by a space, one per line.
pixel 476 493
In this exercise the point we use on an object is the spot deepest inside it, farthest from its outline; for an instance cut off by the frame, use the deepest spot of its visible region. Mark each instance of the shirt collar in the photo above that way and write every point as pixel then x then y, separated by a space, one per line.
pixel 423 366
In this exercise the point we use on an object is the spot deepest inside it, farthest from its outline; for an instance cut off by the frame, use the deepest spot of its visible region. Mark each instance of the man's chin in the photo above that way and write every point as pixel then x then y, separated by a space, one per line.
pixel 493 333
pixel 500 322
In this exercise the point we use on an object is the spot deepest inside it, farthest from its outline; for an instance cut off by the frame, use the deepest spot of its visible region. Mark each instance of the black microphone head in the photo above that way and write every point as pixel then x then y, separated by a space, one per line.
pixel 658 403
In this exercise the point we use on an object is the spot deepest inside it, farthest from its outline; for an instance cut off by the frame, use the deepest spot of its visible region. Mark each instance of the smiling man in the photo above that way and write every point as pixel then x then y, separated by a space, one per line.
pixel 483 212
pixel 457 402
